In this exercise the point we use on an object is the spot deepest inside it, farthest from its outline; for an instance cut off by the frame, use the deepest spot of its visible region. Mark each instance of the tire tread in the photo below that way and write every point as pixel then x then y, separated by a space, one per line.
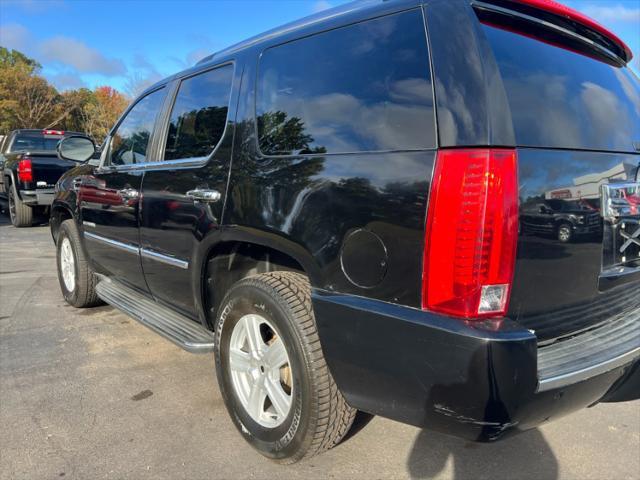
pixel 86 280
pixel 332 417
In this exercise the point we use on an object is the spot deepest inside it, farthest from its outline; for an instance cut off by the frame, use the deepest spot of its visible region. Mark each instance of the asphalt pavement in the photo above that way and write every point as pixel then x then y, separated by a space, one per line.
pixel 88 394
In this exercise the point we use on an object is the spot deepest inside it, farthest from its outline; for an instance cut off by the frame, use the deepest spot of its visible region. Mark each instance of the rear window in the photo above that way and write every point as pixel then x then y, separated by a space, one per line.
pixel 562 99
pixel 26 143
pixel 365 87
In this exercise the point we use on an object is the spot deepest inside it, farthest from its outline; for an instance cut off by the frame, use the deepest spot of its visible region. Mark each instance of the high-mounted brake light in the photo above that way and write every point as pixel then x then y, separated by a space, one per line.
pixel 53 132
pixel 471 233
pixel 553 7
pixel 25 171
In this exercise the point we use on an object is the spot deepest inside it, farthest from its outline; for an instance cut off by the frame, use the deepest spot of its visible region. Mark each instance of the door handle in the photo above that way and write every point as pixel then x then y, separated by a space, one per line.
pixel 199 195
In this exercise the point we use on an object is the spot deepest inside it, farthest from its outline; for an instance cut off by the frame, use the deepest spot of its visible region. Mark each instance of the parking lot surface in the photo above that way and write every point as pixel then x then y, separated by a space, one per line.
pixel 92 394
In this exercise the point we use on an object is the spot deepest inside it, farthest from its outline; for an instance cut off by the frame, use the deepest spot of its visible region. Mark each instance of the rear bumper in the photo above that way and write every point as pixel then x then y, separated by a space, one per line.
pixel 476 381
pixel 39 197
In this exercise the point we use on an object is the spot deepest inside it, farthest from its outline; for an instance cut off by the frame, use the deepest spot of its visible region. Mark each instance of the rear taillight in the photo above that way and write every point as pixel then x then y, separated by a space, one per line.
pixel 25 172
pixel 471 233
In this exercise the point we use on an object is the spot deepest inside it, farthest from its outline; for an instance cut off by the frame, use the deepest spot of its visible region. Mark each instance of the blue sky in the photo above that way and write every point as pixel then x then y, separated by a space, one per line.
pixel 127 44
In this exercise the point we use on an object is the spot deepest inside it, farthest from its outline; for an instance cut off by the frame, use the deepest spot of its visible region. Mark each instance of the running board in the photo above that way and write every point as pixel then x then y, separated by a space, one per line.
pixel 181 330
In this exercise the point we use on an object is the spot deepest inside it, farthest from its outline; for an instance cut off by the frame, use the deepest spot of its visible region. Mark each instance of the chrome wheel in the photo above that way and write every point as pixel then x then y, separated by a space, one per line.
pixel 260 370
pixel 564 234
pixel 68 265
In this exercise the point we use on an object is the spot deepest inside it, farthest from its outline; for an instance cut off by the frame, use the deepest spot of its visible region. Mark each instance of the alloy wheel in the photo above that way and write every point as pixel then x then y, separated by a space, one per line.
pixel 260 370
pixel 67 265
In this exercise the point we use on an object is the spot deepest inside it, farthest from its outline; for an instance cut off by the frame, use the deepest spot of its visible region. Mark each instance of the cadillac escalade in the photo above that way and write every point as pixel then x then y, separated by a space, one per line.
pixel 333 208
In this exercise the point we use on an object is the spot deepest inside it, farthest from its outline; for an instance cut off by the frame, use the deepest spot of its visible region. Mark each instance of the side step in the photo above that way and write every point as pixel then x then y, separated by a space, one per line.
pixel 181 330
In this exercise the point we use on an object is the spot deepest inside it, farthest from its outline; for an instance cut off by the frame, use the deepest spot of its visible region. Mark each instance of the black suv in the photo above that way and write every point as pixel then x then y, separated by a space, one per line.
pixel 332 209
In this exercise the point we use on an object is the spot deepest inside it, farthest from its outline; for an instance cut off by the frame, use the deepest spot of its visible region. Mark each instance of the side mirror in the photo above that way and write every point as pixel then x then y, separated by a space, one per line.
pixel 76 148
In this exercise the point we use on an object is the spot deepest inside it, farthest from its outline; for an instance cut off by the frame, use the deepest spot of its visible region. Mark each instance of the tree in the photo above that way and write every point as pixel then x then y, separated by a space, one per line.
pixel 16 59
pixel 26 99
pixel 102 111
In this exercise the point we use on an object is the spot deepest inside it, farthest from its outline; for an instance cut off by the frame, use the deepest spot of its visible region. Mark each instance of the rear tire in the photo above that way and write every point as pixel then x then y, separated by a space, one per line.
pixel 318 416
pixel 21 215
pixel 77 280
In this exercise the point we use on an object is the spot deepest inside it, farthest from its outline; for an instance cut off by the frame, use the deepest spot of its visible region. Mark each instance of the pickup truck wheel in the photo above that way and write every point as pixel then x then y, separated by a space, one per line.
pixel 77 280
pixel 565 233
pixel 272 374
pixel 21 215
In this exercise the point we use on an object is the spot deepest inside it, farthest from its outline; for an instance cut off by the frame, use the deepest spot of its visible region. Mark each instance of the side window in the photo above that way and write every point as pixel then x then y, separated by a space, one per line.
pixel 364 87
pixel 199 114
pixel 130 141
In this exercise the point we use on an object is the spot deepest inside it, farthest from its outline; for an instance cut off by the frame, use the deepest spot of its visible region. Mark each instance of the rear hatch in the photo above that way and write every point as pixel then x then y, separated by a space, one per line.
pixel 575 107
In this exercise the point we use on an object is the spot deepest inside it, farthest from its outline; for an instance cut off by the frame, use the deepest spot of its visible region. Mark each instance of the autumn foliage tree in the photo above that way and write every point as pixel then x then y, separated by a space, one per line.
pixel 27 100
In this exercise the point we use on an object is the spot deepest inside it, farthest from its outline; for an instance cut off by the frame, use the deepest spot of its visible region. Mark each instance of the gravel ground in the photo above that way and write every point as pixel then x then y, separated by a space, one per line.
pixel 92 394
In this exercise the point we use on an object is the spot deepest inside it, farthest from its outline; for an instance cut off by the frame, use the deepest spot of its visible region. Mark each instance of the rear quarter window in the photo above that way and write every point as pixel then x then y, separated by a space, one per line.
pixel 562 99
pixel 364 87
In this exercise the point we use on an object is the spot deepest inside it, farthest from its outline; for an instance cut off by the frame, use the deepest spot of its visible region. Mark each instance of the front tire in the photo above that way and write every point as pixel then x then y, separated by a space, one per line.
pixel 565 233
pixel 288 408
pixel 77 280
pixel 21 215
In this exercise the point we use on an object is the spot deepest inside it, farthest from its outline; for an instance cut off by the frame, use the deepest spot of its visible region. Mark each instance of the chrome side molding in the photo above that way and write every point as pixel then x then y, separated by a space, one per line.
pixel 125 247
pixel 174 262
pixel 146 253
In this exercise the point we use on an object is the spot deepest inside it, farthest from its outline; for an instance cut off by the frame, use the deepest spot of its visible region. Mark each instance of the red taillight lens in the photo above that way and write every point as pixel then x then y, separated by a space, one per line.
pixel 471 233
pixel 25 172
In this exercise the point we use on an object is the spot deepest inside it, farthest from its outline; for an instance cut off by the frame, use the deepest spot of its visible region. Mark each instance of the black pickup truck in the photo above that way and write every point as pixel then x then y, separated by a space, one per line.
pixel 332 208
pixel 30 168
pixel 561 219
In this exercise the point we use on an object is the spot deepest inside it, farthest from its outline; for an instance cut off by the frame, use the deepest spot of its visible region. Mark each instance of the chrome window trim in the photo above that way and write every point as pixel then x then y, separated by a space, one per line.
pixel 160 165
pixel 166 259
pixel 125 247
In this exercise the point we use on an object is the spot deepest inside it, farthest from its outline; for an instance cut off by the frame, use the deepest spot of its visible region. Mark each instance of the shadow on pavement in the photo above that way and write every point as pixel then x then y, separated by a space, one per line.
pixel 526 456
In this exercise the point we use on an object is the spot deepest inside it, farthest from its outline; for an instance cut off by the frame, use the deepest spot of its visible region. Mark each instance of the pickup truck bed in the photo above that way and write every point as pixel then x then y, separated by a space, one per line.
pixel 30 169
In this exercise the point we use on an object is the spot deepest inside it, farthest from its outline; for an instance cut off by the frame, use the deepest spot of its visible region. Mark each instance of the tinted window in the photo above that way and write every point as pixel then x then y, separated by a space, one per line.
pixel 199 114
pixel 559 98
pixel 130 141
pixel 364 87
pixel 23 143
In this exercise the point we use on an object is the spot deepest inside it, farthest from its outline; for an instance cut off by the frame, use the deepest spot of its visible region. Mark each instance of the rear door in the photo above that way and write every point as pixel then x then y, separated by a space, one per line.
pixel 576 119
pixel 109 199
pixel 184 192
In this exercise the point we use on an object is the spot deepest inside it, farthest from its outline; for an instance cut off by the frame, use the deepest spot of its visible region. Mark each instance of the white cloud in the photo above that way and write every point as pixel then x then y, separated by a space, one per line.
pixel 65 53
pixel 66 81
pixel 321 5
pixel 14 36
pixel 83 58
pixel 613 13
